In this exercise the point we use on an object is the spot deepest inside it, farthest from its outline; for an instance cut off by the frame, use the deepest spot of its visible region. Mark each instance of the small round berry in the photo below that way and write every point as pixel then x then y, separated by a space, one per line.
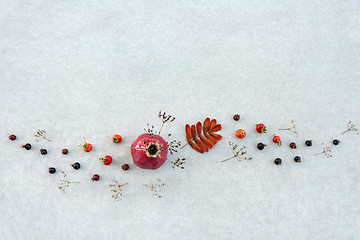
pixel 117 138
pixel 236 117
pixel 278 161
pixel 95 178
pixel 336 142
pixel 260 128
pixel 297 159
pixel 240 133
pixel 125 166
pixel 43 151
pixel 76 165
pixel 52 170
pixel 293 145
pixel 261 146
pixel 308 143
pixel 12 137
pixel 27 146
pixel 65 151
pixel 277 140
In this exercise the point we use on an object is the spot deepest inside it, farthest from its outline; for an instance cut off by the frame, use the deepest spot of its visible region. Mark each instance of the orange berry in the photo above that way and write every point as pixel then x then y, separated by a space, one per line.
pixel 240 133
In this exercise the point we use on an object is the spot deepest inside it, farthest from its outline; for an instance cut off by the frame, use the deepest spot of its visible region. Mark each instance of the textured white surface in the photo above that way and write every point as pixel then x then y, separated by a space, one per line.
pixel 95 68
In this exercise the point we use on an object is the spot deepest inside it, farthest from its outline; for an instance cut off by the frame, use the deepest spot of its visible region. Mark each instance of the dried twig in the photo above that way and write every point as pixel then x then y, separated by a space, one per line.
pixel 165 117
pixel 351 127
pixel 173 146
pixel 150 130
pixel 41 134
pixel 65 183
pixel 155 187
pixel 291 128
pixel 326 151
pixel 116 189
pixel 237 153
pixel 178 163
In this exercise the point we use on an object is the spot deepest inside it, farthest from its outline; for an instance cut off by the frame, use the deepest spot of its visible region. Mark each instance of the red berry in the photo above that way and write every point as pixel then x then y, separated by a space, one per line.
pixel 260 128
pixel 277 140
pixel 236 117
pixel 86 146
pixel 293 145
pixel 240 133
pixel 125 166
pixel 106 160
pixel 117 138
pixel 95 178
pixel 65 151
pixel 12 137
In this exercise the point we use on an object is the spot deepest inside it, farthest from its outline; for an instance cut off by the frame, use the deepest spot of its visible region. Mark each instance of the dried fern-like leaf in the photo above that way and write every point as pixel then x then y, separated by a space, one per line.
pixel 202 137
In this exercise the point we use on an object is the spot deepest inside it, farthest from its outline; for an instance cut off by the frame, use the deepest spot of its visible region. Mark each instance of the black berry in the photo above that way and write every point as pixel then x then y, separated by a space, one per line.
pixel 27 146
pixel 278 161
pixel 308 143
pixel 64 151
pixel 297 159
pixel 336 142
pixel 43 151
pixel 125 166
pixel 293 145
pixel 12 137
pixel 76 165
pixel 95 177
pixel 52 170
pixel 261 146
pixel 236 117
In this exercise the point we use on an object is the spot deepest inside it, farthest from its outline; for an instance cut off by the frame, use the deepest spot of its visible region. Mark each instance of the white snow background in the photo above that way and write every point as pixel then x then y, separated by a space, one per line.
pixel 96 68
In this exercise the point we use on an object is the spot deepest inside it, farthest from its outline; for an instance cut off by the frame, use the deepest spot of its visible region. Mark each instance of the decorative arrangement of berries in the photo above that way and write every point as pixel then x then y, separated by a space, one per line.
pixel 149 150
pixel 203 137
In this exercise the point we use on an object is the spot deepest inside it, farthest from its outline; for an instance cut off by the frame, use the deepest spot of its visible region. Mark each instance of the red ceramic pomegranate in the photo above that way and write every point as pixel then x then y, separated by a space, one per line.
pixel 149 151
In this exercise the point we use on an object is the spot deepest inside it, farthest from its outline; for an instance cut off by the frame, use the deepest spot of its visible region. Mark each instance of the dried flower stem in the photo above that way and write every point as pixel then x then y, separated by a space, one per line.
pixel 173 146
pixel 65 183
pixel 155 187
pixel 178 163
pixel 326 151
pixel 164 117
pixel 117 190
pixel 291 128
pixel 238 153
pixel 351 127
pixel 41 134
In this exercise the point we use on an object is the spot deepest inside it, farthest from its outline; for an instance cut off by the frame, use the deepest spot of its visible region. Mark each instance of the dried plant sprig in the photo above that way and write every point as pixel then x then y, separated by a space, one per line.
pixel 155 188
pixel 173 146
pixel 165 117
pixel 150 130
pixel 291 128
pixel 326 151
pixel 116 189
pixel 41 134
pixel 178 163
pixel 65 183
pixel 237 152
pixel 351 127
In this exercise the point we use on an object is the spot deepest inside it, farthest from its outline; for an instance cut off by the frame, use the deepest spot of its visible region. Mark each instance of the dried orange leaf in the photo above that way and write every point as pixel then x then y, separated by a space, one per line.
pixel 206 125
